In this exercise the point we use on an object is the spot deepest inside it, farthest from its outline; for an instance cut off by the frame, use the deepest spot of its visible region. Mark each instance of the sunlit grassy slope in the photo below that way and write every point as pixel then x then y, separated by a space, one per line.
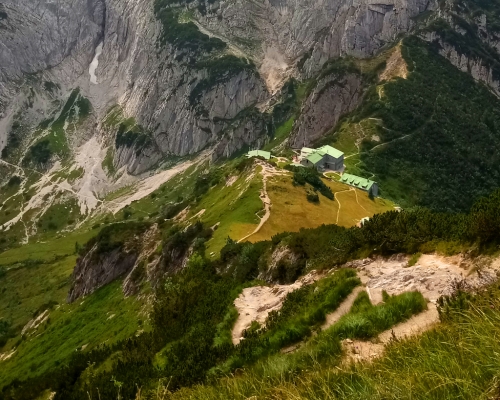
pixel 291 210
pixel 63 245
pixel 234 204
pixel 456 360
pixel 103 317
pixel 36 277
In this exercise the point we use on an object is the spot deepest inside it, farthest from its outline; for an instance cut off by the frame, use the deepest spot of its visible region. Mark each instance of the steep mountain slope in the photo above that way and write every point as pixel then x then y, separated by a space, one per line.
pixel 425 137
pixel 161 67
pixel 172 79
pixel 130 220
pixel 185 321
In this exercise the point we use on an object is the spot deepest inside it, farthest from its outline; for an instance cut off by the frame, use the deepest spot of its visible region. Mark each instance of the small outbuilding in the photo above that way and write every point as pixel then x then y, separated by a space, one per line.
pixel 360 183
pixel 259 153
pixel 314 160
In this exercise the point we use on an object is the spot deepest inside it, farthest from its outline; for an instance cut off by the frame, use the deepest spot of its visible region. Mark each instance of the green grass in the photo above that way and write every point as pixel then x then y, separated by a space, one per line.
pixel 35 275
pixel 234 207
pixel 11 206
pixel 281 134
pixel 294 375
pixel 75 174
pixel 108 164
pixel 365 321
pixel 68 172
pixel 54 133
pixel 59 216
pixel 426 118
pixel 302 312
pixel 61 245
pixel 27 286
pixel 113 117
pixel 455 361
pixel 414 259
pixel 103 317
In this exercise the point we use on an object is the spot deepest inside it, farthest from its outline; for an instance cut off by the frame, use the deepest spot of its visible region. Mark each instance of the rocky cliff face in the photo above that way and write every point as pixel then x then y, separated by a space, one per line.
pixel 39 36
pixel 334 96
pixel 128 252
pixel 153 80
pixel 94 270
pixel 471 42
pixel 280 32
pixel 37 39
pixel 475 66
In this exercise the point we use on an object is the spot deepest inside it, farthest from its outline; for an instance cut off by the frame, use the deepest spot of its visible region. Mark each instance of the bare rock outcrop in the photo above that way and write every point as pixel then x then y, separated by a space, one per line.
pixel 255 303
pixel 279 33
pixel 334 96
pixel 480 69
pixel 432 275
pixel 95 270
pixel 282 261
pixel 120 251
pixel 154 81
pixel 37 39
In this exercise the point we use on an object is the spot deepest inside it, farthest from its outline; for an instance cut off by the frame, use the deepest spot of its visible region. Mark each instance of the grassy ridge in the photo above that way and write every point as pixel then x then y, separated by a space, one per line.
pixel 234 206
pixel 320 356
pixel 456 360
pixel 46 251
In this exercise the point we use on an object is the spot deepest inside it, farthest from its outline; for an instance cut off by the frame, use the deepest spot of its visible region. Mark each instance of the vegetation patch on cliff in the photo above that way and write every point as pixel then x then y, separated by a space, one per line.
pixel 421 120
pixel 184 37
pixel 54 132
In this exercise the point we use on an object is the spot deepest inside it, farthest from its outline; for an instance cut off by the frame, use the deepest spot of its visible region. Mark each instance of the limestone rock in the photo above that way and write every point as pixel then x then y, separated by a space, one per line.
pixel 93 271
pixel 56 42
pixel 333 97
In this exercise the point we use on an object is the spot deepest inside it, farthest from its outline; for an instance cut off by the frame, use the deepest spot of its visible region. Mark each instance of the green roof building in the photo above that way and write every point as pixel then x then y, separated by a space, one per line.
pixel 259 153
pixel 315 159
pixel 324 158
pixel 360 183
pixel 331 151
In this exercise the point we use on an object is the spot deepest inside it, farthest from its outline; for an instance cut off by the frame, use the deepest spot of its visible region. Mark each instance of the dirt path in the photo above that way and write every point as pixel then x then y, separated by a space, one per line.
pixel 255 303
pixel 340 206
pixel 392 141
pixel 343 309
pixel 433 276
pixel 357 350
pixel 414 326
pixel 357 201
pixel 267 207
pixel 266 173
